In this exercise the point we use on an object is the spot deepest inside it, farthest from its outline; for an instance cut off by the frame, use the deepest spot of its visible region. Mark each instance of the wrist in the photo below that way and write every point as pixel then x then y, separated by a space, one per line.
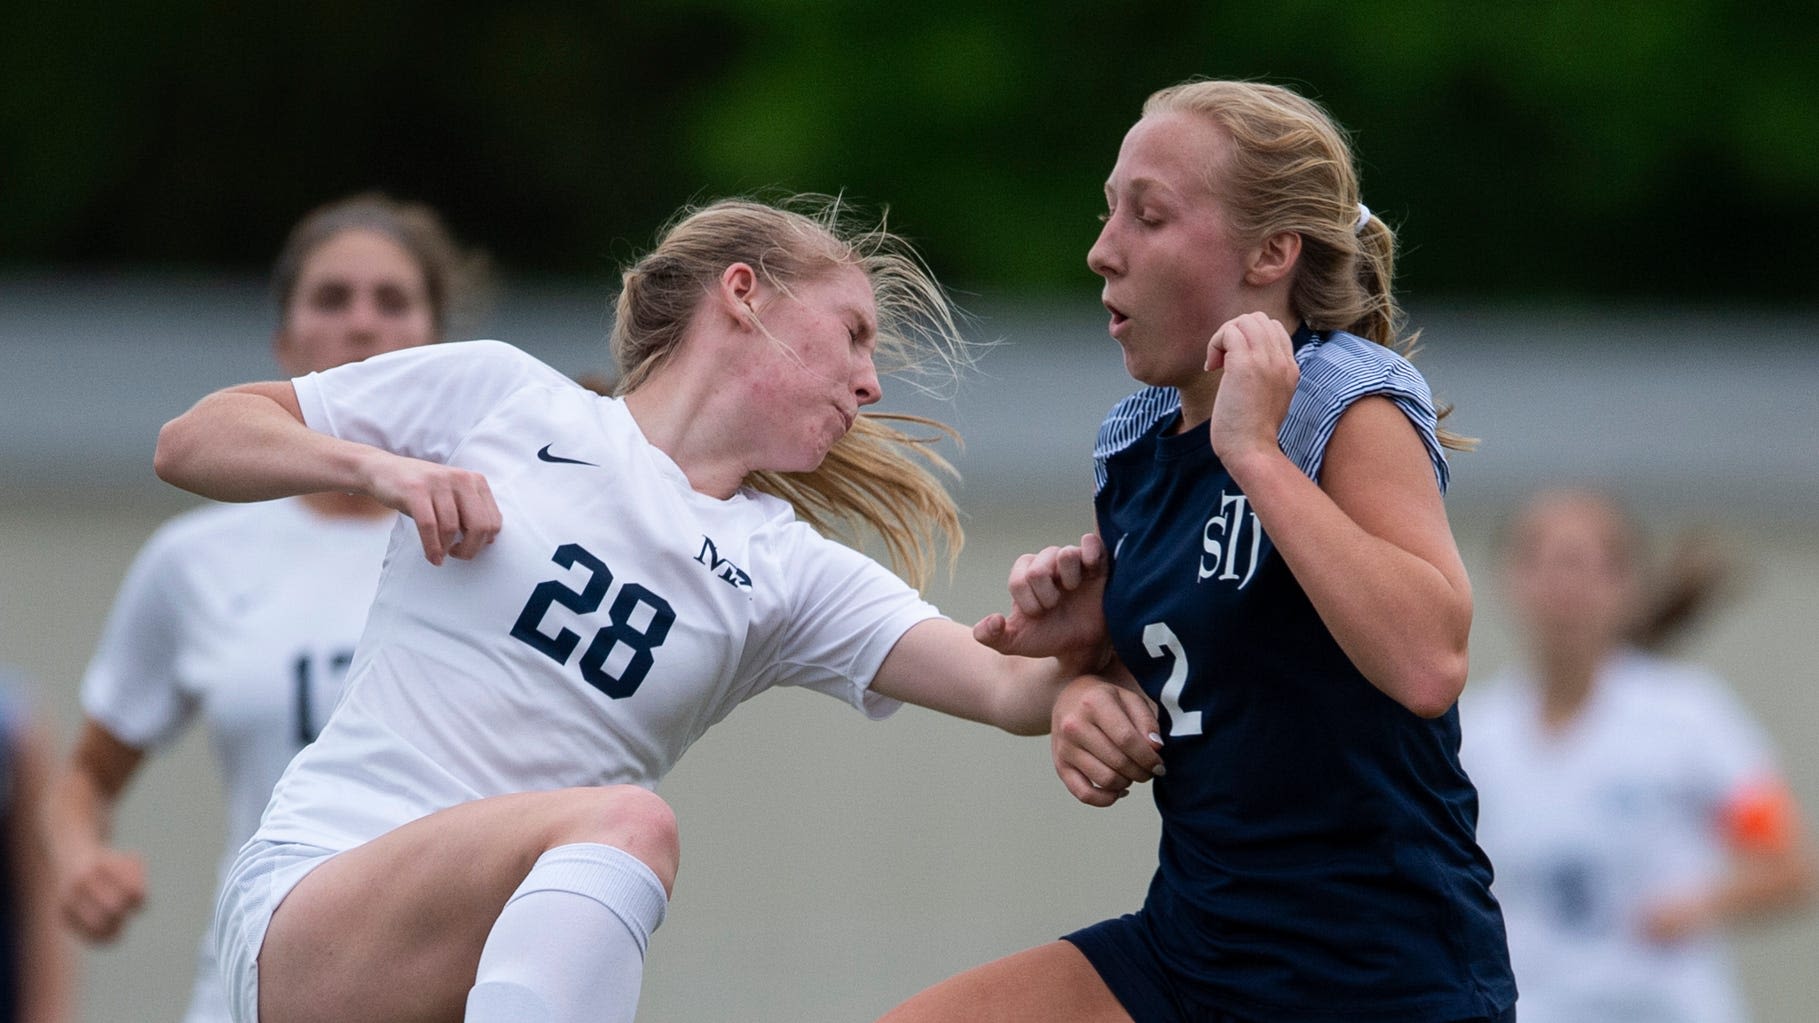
pixel 1089 659
pixel 1252 464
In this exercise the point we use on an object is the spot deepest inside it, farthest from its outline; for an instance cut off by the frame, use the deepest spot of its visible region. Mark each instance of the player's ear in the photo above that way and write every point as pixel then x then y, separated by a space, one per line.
pixel 737 295
pixel 1272 259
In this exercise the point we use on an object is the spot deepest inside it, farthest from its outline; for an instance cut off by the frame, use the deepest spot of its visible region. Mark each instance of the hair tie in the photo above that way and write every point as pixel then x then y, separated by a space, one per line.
pixel 1364 217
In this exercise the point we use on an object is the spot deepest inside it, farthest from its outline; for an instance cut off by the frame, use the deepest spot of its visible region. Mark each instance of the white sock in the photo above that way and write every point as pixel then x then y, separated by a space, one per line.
pixel 569 945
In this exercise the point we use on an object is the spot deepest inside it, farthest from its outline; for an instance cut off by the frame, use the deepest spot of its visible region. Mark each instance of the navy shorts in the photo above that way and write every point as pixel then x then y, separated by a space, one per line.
pixel 1124 951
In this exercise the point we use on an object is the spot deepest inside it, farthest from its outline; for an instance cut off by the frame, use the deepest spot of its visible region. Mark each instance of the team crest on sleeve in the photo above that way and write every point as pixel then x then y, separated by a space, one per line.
pixel 1231 542
pixel 723 569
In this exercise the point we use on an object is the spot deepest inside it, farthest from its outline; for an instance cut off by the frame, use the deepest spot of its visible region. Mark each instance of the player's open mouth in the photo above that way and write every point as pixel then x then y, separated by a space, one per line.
pixel 1118 318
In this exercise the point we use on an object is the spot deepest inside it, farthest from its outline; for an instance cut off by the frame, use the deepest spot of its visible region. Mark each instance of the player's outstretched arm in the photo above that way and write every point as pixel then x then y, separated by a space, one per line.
pixel 939 665
pixel 1771 870
pixel 249 443
pixel 1008 671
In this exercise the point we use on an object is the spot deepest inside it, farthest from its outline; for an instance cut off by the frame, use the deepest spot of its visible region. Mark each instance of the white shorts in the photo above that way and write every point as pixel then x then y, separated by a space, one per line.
pixel 207 1002
pixel 262 875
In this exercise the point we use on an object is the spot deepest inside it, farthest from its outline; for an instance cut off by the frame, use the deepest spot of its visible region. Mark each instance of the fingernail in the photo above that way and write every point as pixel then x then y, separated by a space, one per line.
pixel 1157 739
pixel 1160 770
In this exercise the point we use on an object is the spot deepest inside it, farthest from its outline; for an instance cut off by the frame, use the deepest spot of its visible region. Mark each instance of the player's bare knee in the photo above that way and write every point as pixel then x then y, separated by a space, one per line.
pixel 626 817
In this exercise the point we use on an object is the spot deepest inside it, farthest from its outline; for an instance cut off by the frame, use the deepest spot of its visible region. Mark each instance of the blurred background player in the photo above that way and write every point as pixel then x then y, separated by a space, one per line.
pixel 1632 808
pixel 36 960
pixel 247 615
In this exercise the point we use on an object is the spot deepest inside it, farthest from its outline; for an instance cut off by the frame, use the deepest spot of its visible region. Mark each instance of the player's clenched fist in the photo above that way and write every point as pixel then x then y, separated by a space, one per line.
pixel 1259 381
pixel 100 892
pixel 1056 595
pixel 453 508
pixel 1104 736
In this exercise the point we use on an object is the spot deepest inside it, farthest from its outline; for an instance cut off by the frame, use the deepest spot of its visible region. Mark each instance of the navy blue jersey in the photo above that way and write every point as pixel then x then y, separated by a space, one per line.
pixel 1318 858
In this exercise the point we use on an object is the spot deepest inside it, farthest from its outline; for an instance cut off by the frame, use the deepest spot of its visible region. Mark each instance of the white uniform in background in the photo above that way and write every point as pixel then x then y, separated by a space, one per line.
pixel 618 614
pixel 1591 827
pixel 247 615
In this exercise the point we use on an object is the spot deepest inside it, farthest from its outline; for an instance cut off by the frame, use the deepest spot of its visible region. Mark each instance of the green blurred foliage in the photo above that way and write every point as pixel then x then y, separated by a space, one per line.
pixel 1664 150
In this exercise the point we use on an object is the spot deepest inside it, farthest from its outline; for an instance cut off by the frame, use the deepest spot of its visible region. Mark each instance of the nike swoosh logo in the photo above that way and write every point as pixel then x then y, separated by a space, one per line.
pixel 544 455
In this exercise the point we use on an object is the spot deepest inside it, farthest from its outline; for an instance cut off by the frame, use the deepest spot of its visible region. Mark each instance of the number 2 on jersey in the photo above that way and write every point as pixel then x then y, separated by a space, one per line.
pixel 619 630
pixel 1161 641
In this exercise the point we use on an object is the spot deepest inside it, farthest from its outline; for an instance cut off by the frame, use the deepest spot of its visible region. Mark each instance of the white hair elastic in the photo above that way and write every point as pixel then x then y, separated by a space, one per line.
pixel 1364 217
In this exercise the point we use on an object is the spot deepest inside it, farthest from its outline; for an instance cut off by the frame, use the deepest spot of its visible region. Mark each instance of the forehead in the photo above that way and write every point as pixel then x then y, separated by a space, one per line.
pixel 843 285
pixel 359 251
pixel 1575 520
pixel 1171 149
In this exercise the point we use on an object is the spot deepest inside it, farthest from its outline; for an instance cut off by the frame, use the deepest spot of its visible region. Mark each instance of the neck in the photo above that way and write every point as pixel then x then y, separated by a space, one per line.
pixel 1202 389
pixel 1567 678
pixel 685 416
pixel 1197 398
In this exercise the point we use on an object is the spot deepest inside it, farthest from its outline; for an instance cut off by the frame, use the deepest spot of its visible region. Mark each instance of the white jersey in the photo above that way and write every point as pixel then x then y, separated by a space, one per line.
pixel 1590 827
pixel 618 614
pixel 248 616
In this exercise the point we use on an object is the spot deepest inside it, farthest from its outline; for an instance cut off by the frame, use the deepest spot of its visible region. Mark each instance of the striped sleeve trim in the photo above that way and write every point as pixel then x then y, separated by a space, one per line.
pixel 1339 371
pixel 1334 373
pixel 1128 420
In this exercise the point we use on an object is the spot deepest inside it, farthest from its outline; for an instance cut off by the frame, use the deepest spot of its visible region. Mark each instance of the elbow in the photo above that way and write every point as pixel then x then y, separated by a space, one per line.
pixel 1429 690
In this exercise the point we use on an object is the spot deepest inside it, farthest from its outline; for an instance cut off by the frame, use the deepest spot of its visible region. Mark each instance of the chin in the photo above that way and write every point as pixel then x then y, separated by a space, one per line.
pixel 1140 371
pixel 809 462
pixel 1155 368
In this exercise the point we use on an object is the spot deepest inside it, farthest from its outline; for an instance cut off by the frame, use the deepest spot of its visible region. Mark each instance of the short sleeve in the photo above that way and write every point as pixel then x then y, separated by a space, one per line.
pixel 132 686
pixel 1128 420
pixel 419 402
pixel 1735 755
pixel 1338 372
pixel 847 613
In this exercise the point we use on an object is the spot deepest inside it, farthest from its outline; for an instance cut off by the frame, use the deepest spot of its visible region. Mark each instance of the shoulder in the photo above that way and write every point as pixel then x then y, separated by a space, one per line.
pixel 208 544
pixel 812 565
pixel 210 525
pixel 1130 419
pixel 1344 367
pixel 786 542
pixel 1344 351
pixel 1337 371
pixel 1684 708
pixel 487 358
pixel 493 365
pixel 491 351
pixel 1682 691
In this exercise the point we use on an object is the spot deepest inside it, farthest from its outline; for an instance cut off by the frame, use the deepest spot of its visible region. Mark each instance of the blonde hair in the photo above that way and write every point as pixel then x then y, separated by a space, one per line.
pixel 880 477
pixel 1289 168
pixel 457 280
